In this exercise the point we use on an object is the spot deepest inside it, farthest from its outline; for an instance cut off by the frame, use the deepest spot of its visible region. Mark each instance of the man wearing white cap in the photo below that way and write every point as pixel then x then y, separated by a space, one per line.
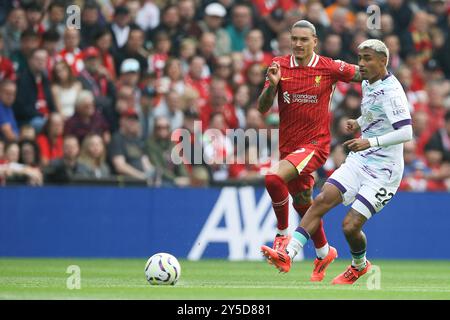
pixel 212 22
pixel 129 72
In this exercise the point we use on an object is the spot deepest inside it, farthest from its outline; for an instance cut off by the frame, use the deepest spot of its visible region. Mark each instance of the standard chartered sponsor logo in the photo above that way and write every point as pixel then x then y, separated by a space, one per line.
pixel 304 98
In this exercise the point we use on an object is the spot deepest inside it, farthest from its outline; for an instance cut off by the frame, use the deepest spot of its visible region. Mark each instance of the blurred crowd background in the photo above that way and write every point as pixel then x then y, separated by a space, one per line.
pixel 100 103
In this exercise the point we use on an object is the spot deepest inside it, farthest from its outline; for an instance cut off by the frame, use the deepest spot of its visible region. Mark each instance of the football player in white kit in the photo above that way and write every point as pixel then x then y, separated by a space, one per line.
pixel 372 172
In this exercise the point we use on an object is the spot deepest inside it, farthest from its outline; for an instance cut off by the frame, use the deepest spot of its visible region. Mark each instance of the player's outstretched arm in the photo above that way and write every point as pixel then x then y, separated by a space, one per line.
pixel 402 135
pixel 357 76
pixel 265 100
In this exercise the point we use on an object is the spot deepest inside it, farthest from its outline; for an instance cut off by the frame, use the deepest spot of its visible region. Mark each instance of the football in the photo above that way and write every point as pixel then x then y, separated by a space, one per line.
pixel 162 269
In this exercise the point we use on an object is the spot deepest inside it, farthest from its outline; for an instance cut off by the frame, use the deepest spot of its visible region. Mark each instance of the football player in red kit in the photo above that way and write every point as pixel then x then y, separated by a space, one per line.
pixel 304 82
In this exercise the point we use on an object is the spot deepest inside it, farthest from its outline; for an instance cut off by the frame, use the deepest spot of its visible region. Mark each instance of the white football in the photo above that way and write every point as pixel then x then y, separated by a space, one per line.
pixel 162 269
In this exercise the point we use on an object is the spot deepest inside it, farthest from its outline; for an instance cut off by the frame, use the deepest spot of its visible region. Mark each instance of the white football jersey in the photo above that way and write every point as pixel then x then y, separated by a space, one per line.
pixel 384 108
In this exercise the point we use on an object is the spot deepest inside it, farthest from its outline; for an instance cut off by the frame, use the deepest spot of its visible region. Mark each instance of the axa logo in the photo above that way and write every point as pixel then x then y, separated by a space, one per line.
pixel 242 221
pixel 286 97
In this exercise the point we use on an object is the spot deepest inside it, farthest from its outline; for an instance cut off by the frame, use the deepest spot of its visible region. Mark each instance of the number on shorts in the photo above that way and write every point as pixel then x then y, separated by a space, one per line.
pixel 383 196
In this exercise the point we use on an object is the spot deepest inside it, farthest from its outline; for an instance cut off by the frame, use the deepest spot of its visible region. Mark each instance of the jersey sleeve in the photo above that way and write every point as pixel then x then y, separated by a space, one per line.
pixel 396 108
pixel 342 71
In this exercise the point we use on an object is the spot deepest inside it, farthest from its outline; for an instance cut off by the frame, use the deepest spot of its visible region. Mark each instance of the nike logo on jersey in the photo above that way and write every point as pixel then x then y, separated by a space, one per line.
pixel 284 79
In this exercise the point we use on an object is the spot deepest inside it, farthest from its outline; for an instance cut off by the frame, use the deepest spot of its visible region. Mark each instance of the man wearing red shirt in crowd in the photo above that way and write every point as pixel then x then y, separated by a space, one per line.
pixel 6 67
pixel 71 52
pixel 253 52
pixel 305 82
pixel 50 141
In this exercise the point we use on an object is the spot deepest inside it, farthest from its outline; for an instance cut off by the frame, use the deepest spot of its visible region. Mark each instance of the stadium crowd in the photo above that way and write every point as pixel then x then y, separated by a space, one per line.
pixel 107 101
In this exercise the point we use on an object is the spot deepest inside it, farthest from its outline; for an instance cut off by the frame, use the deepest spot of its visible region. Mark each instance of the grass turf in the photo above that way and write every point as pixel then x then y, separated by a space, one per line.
pixel 216 279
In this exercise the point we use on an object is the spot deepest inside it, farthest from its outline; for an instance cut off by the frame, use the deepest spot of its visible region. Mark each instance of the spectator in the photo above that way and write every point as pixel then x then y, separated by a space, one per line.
pixel 217 148
pixel 206 47
pixel 29 153
pixel 170 24
pixel 16 23
pixel 346 4
pixel 29 41
pixel 127 150
pixel 416 171
pixel 103 41
pixel 129 73
pixel 147 17
pixel 95 79
pixel 67 168
pixel 27 132
pixel 93 156
pixel 402 12
pixel 255 79
pixel 316 14
pixel 158 58
pixel 50 141
pixel 188 24
pixel 120 28
pixel 133 49
pixel 440 141
pixel 71 53
pixel 56 17
pixel 65 89
pixel 14 170
pixel 418 38
pixel 173 79
pixel 340 25
pixel 393 44
pixel 50 39
pixel 159 150
pixel 6 67
pixel 253 51
pixel 213 22
pixel 283 44
pixel 332 46
pixel 242 103
pixel 90 20
pixel 148 102
pixel 241 23
pixel 87 119
pixel 196 78
pixel 34 14
pixel 34 100
pixel 219 102
pixel 171 107
pixel 9 131
pixel 188 50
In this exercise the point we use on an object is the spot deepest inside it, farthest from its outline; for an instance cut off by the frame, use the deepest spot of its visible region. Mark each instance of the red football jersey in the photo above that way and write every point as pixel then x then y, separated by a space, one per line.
pixel 304 94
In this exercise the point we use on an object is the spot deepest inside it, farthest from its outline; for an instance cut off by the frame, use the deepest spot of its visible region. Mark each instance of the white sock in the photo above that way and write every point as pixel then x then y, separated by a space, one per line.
pixel 293 248
pixel 359 260
pixel 283 232
pixel 322 252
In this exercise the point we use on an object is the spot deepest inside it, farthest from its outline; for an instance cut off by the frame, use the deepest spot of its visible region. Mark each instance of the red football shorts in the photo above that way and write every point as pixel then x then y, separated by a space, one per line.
pixel 306 160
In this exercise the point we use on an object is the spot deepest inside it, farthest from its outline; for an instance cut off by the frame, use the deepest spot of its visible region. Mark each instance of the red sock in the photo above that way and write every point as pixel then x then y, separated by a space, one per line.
pixel 319 238
pixel 279 193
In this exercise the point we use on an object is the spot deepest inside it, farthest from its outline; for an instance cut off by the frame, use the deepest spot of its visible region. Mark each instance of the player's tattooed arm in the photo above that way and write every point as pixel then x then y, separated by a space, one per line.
pixel 357 76
pixel 265 100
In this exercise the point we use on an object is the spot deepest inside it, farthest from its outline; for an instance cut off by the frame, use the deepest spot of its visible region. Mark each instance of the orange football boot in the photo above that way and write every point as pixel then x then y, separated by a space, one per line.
pixel 350 275
pixel 280 259
pixel 280 243
pixel 320 265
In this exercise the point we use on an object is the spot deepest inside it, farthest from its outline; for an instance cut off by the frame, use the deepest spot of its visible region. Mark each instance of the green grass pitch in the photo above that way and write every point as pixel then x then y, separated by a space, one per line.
pixel 216 279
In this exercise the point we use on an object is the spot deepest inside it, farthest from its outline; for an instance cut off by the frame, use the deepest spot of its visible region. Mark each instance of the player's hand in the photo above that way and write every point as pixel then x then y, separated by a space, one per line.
pixel 352 126
pixel 274 74
pixel 357 144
